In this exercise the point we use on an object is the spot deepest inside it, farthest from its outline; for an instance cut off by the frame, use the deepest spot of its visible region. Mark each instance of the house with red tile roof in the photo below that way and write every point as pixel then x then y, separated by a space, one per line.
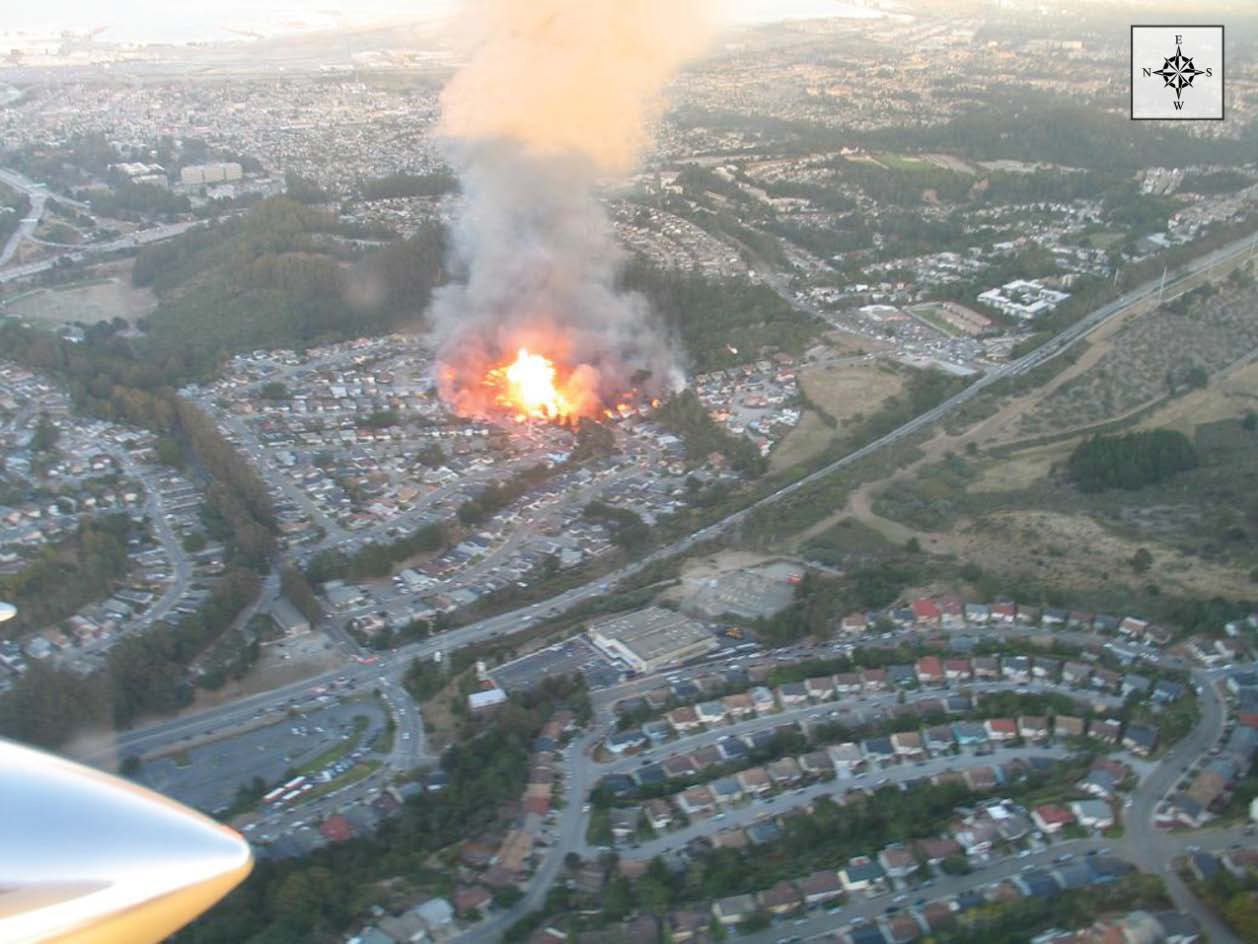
pixel 1001 729
pixel 926 613
pixel 1051 818
pixel 930 670
pixel 337 829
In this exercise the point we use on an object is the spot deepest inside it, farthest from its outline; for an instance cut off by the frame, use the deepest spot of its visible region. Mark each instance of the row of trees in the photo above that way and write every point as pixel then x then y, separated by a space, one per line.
pixel 435 184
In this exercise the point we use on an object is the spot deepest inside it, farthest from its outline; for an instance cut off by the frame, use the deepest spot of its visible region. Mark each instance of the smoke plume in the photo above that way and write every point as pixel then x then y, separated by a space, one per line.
pixel 554 95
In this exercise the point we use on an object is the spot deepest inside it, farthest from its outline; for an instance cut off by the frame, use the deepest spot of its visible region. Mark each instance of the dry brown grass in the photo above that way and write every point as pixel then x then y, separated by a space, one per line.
pixel 846 390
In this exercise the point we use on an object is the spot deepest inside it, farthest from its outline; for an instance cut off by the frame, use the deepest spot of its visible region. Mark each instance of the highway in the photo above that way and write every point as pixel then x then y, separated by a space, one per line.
pixel 155 735
pixel 39 195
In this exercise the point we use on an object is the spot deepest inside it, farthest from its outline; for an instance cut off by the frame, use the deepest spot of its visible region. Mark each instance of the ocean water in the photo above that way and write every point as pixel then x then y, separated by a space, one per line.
pixel 159 21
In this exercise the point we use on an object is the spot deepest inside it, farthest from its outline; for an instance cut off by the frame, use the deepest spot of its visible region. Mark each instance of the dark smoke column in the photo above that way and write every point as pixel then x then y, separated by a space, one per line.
pixel 554 94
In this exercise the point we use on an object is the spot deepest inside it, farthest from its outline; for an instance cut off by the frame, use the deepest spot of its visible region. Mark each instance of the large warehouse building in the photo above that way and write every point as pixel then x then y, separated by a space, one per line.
pixel 652 638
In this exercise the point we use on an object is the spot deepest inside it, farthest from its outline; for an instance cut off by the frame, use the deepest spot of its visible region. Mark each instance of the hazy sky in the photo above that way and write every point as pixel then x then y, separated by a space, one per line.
pixel 161 20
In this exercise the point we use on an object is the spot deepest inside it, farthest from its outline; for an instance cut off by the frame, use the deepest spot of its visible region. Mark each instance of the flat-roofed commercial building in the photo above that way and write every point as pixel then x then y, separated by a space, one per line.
pixel 652 638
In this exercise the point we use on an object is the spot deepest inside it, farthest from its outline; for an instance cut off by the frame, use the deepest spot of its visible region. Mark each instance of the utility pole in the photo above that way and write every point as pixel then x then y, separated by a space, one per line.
pixel 1162 286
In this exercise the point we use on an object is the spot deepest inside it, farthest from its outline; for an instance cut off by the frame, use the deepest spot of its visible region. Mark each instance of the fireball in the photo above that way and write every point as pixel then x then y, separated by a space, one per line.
pixel 527 387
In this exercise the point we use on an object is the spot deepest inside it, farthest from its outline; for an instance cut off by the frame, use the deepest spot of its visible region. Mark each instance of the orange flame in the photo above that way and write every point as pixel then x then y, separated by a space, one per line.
pixel 527 387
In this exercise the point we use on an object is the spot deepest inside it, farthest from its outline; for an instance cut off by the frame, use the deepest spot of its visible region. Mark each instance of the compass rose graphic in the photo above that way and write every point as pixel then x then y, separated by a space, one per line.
pixel 1178 71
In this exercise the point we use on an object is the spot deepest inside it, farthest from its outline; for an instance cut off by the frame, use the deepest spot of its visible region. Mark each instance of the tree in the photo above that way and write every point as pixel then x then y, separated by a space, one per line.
pixel 1141 561
pixel 274 390
pixel 46 435
pixel 1130 461
pixel 1250 422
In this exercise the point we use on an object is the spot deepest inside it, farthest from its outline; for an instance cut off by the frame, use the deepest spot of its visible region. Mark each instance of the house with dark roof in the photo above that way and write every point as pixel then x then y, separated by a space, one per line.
pixel 878 749
pixel 763 831
pixel 861 874
pixel 726 790
pixel 970 733
pixel 1140 739
pixel 817 764
pixel 1037 883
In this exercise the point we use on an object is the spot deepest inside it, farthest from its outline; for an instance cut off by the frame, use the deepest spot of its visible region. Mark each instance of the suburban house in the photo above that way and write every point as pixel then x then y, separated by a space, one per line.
pixel 861 874
pixel 782 899
pixel 1000 729
pixel 1033 727
pixel 1093 814
pixel 754 781
pixel 897 861
pixel 820 887
pixel 1052 818
pixel 734 910
pixel 1140 739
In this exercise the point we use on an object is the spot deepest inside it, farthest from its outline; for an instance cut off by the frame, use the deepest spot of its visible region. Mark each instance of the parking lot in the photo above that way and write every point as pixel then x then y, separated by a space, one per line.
pixel 207 777
pixel 564 658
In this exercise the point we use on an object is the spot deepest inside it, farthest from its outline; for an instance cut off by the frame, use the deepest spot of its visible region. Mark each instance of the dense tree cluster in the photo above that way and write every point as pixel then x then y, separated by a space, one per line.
pixel 496 496
pixel 686 416
pixel 281 276
pixel 723 322
pixel 295 586
pixel 128 200
pixel 14 207
pixel 1130 461
pixel 627 528
pixel 147 672
pixel 376 559
pixel 435 184
pixel 68 575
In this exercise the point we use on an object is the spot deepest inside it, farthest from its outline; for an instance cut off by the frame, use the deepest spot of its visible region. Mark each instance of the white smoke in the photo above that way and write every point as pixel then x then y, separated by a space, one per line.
pixel 554 94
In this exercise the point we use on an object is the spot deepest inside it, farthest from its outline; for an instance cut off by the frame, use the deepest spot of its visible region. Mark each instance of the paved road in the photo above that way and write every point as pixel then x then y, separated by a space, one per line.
pixel 174 550
pixel 1144 845
pixel 38 195
pixel 749 813
pixel 508 622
